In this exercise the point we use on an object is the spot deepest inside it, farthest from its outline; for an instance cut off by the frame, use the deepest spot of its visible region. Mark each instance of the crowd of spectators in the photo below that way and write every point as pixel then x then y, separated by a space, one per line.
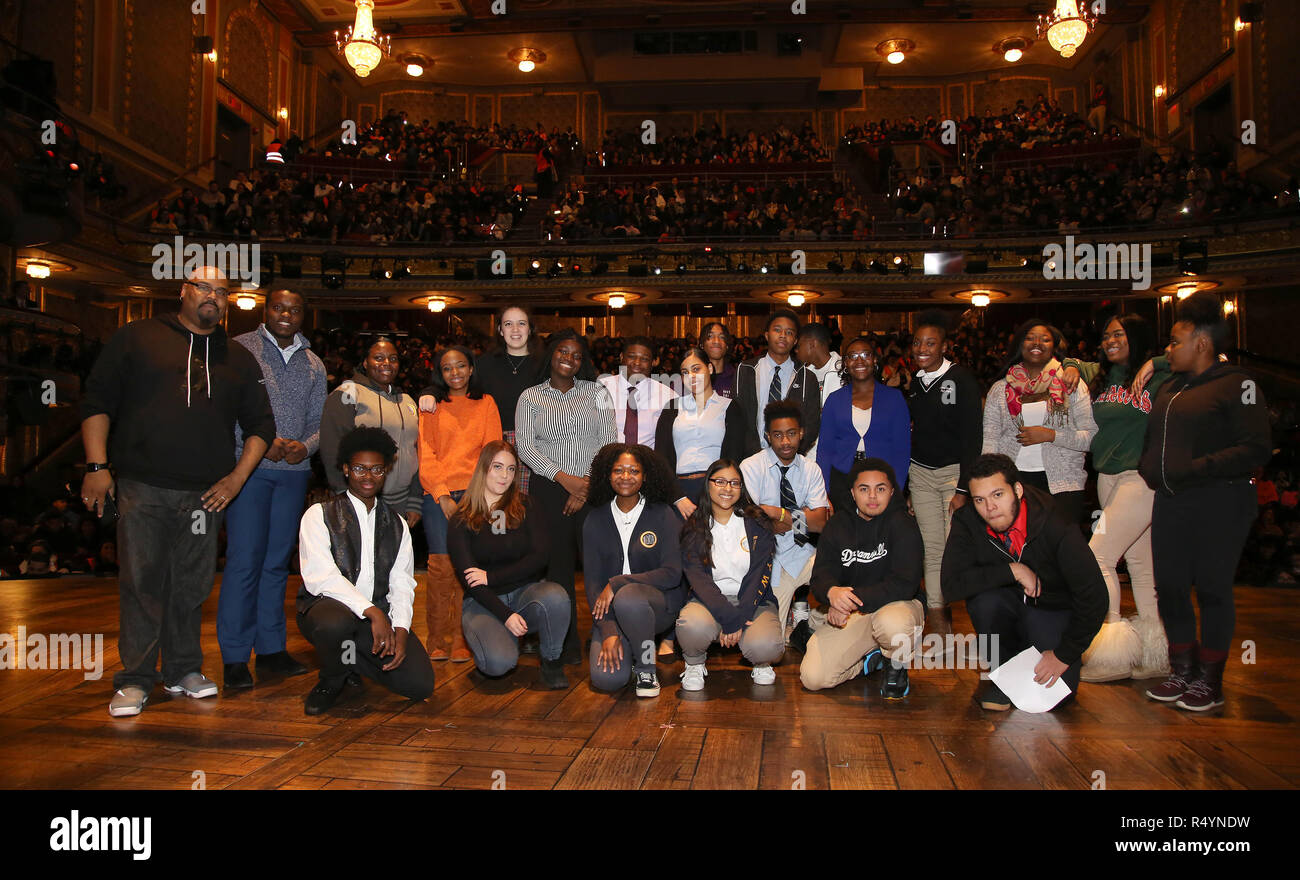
pixel 396 138
pixel 793 209
pixel 1272 554
pixel 710 146
pixel 281 205
pixel 45 535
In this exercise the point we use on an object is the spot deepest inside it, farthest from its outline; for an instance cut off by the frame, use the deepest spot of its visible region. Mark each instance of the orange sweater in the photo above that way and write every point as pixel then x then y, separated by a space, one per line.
pixel 451 438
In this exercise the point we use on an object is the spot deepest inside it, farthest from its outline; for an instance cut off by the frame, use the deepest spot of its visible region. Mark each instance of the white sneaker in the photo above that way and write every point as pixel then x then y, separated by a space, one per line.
pixel 764 674
pixel 693 677
pixel 128 701
pixel 196 685
pixel 799 612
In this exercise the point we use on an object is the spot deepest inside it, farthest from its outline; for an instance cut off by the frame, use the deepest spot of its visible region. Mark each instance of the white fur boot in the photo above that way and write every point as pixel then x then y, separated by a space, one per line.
pixel 1155 647
pixel 1114 651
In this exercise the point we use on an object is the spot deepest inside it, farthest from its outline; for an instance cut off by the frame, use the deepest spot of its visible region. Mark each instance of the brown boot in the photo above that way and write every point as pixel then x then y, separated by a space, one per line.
pixel 438 641
pixel 460 652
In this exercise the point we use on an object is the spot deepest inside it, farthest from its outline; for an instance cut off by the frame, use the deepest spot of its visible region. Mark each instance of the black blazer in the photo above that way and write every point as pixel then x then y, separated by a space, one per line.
pixel 804 390
pixel 755 588
pixel 653 553
pixel 733 429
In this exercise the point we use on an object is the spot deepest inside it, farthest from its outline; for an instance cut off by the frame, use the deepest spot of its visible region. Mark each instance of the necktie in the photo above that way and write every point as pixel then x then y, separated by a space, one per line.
pixel 1005 538
pixel 789 503
pixel 630 419
pixel 774 390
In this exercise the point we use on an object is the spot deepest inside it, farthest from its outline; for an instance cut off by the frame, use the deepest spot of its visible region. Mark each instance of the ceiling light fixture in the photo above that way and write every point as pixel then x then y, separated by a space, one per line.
pixel 416 63
pixel 1012 49
pixel 437 304
pixel 38 269
pixel 894 51
pixel 979 300
pixel 362 46
pixel 617 301
pixel 527 58
pixel 1067 26
pixel 795 299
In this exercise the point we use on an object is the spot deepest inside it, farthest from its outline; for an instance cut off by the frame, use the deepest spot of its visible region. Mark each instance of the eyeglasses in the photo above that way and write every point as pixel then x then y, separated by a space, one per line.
pixel 205 289
pixel 859 356
pixel 360 470
pixel 725 484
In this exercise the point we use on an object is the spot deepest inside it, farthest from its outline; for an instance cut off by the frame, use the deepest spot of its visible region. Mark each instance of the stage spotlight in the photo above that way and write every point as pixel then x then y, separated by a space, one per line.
pixel 835 264
pixel 401 271
pixel 333 270
pixel 378 272
pixel 533 268
pixel 858 266
pixel 656 269
pixel 741 268
pixel 575 270
pixel 878 267
pixel 1031 264
pixel 681 268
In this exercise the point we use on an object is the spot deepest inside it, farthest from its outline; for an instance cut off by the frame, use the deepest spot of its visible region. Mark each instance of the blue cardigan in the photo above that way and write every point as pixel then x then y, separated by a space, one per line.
pixel 889 437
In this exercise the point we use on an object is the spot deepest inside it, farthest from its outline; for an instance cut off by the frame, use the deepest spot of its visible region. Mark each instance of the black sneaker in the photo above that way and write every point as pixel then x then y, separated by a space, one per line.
pixel 896 685
pixel 799 636
pixel 236 676
pixel 647 684
pixel 992 698
pixel 322 697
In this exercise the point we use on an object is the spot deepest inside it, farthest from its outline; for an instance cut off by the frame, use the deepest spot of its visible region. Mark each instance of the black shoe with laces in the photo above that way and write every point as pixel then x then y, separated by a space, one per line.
pixel 552 677
pixel 323 696
pixel 647 684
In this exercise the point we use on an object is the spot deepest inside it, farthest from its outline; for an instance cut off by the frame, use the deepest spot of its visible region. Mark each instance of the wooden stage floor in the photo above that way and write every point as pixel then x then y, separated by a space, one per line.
pixel 55 731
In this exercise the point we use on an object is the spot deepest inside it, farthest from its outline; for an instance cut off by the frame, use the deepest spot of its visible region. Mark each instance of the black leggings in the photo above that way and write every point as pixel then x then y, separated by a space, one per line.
pixel 565 543
pixel 1070 503
pixel 1196 538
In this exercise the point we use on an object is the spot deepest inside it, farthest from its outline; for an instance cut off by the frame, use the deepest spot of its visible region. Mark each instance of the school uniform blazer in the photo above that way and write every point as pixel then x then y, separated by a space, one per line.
pixel 804 390
pixel 755 587
pixel 889 437
pixel 654 557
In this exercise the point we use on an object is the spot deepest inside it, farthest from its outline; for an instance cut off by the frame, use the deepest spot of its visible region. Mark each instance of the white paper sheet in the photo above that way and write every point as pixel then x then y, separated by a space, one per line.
pixel 1015 678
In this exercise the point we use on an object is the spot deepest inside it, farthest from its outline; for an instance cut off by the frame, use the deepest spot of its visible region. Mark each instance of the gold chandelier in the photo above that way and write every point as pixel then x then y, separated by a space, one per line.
pixel 1066 26
pixel 362 45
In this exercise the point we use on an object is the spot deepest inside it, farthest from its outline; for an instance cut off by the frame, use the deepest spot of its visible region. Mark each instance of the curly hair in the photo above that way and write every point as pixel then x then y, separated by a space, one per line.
pixel 656 479
pixel 367 439
pixel 697 534
pixel 586 371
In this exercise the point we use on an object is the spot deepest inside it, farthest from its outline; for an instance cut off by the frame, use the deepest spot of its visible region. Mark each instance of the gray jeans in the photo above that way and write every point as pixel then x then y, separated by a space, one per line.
pixel 167 550
pixel 544 606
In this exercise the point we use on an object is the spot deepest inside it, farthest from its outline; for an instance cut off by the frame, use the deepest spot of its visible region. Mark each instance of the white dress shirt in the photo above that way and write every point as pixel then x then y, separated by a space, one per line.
pixel 322 577
pixel 626 525
pixel 762 475
pixel 763 375
pixel 651 398
pixel 828 377
pixel 730 555
pixel 286 353
pixel 698 434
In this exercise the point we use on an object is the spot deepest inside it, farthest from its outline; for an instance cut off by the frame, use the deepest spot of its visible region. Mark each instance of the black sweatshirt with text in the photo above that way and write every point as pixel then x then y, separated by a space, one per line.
pixel 881 559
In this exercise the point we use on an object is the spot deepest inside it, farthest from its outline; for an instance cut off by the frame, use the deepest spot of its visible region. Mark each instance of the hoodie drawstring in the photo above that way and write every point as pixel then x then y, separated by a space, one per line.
pixel 189 359
pixel 207 366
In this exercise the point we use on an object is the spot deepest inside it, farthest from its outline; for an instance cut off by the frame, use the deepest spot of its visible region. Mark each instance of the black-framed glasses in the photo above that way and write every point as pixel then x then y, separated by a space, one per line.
pixel 725 484
pixel 205 289
pixel 360 470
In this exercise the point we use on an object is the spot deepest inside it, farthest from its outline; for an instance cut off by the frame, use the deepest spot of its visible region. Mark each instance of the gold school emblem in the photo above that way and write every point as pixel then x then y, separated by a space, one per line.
pixel 649 539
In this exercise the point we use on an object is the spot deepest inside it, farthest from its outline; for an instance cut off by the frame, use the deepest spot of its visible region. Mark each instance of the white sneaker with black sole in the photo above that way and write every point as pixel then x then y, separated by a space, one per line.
pixel 647 684
pixel 196 685
pixel 693 677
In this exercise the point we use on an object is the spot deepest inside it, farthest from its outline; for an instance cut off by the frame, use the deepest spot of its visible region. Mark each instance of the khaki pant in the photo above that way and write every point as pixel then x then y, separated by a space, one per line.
pixel 932 490
pixel 761 642
pixel 1124 529
pixel 834 654
pixel 784 587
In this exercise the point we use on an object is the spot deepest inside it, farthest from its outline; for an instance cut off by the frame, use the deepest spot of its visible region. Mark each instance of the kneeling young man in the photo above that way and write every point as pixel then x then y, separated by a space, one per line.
pixel 358 581
pixel 868 572
pixel 1026 574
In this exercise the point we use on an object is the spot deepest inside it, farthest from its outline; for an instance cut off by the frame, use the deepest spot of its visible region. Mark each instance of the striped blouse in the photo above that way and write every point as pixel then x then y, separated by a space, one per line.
pixel 563 430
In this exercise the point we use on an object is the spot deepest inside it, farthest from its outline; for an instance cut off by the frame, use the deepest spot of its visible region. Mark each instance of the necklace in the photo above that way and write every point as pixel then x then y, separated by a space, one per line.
pixel 514 368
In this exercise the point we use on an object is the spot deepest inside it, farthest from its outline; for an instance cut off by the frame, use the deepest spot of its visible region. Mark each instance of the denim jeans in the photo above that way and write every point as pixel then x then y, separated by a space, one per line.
pixel 544 606
pixel 261 532
pixel 167 550
pixel 640 612
pixel 435 522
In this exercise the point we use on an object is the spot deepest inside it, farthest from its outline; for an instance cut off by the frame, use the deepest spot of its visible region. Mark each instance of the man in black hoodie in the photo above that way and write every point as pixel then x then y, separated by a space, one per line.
pixel 1207 433
pixel 1026 574
pixel 868 573
pixel 163 398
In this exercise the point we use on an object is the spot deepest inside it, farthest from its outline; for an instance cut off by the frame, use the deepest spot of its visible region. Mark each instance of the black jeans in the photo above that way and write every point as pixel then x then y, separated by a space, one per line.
pixel 566 545
pixel 1004 613
pixel 328 624
pixel 1196 538
pixel 167 550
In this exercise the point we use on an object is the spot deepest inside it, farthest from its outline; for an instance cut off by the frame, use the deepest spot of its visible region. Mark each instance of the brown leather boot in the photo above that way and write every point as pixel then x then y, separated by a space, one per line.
pixel 438 641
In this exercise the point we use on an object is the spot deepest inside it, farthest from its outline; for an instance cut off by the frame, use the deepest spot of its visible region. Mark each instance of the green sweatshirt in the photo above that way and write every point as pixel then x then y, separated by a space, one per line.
pixel 1121 419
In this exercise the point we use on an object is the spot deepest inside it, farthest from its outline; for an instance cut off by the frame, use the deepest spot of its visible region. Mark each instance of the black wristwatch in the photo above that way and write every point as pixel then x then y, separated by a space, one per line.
pixel 92 466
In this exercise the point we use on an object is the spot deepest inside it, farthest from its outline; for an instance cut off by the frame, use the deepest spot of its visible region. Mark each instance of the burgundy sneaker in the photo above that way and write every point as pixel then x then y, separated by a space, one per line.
pixel 1182 671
